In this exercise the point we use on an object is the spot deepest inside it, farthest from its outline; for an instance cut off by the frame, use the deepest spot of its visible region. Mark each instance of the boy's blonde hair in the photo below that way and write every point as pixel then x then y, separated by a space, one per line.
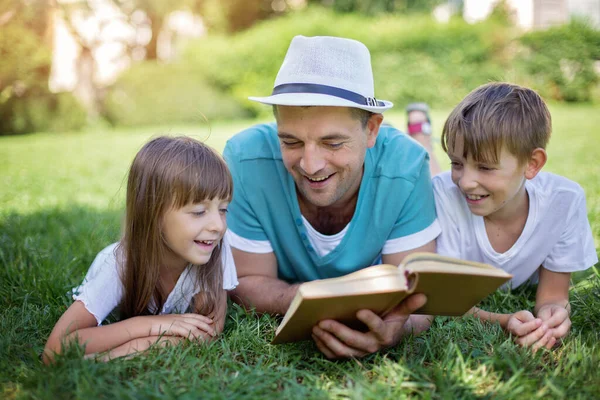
pixel 168 172
pixel 497 115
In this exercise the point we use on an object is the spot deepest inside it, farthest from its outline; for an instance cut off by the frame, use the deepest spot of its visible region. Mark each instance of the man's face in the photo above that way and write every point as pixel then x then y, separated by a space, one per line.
pixel 324 148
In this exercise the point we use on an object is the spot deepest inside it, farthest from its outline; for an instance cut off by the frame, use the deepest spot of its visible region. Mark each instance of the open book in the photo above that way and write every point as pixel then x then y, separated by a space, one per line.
pixel 452 287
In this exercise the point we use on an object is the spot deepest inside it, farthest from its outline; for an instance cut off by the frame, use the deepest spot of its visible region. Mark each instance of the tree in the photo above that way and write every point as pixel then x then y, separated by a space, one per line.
pixel 25 50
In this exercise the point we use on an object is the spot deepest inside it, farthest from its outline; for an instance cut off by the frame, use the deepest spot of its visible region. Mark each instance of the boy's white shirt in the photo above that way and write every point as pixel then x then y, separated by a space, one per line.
pixel 557 233
pixel 102 290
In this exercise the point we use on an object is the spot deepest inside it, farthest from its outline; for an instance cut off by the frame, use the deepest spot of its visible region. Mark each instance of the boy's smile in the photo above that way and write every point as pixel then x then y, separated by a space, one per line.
pixel 491 190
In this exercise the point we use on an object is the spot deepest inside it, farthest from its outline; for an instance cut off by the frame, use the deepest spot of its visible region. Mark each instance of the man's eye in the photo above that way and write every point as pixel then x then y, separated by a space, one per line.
pixel 334 145
pixel 289 143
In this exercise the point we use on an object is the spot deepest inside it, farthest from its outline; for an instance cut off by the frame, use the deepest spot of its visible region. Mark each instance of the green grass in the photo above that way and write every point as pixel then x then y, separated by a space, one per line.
pixel 61 202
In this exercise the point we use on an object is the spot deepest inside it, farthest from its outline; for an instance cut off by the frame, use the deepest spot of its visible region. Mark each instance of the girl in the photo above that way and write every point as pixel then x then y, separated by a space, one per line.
pixel 170 260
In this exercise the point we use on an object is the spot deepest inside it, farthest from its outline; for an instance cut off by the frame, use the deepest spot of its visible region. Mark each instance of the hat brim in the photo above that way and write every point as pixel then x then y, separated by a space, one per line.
pixel 317 99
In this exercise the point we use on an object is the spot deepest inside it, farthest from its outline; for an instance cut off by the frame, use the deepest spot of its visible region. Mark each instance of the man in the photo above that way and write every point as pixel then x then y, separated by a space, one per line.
pixel 327 191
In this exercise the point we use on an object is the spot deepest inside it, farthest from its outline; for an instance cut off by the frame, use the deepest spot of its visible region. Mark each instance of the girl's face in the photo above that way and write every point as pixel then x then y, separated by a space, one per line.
pixel 193 231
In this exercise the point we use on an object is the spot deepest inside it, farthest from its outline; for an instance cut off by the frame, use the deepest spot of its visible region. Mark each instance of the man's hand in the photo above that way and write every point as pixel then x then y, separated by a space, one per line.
pixel 556 318
pixel 336 340
pixel 530 331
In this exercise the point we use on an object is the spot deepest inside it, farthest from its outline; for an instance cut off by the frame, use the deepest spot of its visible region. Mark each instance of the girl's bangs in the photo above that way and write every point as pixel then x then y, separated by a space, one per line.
pixel 205 177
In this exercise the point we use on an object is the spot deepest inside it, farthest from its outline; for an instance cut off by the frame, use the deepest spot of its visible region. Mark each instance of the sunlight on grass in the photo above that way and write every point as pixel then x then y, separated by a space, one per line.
pixel 61 202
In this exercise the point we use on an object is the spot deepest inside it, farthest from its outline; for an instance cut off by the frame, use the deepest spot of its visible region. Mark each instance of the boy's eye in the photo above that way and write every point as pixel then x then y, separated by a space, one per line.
pixel 486 168
pixel 223 210
pixel 198 213
pixel 455 164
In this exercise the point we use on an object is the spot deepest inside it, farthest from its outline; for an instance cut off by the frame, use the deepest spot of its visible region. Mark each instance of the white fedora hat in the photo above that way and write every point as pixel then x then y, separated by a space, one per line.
pixel 326 71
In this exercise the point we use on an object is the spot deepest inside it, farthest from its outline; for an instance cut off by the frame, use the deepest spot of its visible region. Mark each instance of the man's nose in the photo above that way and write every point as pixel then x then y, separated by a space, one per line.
pixel 312 160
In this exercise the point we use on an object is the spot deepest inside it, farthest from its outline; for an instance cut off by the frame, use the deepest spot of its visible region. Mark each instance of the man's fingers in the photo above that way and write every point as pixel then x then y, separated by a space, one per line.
pixel 349 337
pixel 408 306
pixel 335 346
pixel 321 346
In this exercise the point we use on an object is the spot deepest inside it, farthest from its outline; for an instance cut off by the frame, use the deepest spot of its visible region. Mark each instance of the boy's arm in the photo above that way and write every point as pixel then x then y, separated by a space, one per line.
pixel 552 301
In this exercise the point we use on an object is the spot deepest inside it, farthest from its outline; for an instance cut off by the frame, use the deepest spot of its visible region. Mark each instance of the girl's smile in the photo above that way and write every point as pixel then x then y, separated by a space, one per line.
pixel 193 231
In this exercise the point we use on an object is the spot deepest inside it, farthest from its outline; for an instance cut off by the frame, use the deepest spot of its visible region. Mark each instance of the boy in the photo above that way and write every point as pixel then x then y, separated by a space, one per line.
pixel 495 206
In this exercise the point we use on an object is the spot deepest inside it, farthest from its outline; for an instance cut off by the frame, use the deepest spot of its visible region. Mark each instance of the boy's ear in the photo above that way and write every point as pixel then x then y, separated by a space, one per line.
pixel 536 162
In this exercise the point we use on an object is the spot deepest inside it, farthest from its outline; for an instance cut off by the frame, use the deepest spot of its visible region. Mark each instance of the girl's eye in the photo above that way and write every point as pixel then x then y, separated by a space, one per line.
pixel 198 213
pixel 223 210
pixel 485 168
pixel 455 164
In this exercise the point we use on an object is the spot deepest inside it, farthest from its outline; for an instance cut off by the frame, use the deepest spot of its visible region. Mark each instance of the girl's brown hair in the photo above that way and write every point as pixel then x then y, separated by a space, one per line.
pixel 497 115
pixel 168 172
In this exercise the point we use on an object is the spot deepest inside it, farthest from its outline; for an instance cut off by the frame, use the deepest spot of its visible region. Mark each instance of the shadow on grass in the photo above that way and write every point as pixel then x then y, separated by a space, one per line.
pixel 44 254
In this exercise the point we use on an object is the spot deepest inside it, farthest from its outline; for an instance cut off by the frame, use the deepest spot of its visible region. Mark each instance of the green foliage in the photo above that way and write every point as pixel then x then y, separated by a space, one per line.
pixel 54 220
pixel 414 58
pixel 372 7
pixel 41 111
pixel 152 93
pixel 26 104
pixel 560 61
pixel 227 16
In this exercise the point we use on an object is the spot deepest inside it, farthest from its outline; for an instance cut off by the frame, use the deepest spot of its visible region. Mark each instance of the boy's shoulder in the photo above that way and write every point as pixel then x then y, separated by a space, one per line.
pixel 553 184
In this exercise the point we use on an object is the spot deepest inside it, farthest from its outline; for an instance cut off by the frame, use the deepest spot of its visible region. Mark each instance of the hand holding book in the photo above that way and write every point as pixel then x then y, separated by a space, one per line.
pixel 452 287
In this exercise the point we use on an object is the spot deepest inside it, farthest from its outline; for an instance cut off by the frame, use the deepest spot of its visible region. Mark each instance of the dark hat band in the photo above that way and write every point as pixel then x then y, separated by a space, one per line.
pixel 328 90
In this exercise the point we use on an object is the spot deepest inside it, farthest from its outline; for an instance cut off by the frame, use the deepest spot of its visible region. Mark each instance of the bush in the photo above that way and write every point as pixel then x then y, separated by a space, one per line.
pixel 414 57
pixel 36 112
pixel 560 61
pixel 155 94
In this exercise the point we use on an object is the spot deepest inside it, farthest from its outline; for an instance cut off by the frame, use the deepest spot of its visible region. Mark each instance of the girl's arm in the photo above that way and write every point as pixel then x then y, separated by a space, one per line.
pixel 487 316
pixel 78 324
pixel 141 344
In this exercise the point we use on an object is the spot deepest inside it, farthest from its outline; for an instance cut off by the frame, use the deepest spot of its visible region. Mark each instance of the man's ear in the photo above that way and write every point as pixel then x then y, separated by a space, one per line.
pixel 373 125
pixel 536 162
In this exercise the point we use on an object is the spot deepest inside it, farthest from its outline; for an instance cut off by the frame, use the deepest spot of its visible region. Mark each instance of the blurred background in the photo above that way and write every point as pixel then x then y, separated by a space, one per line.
pixel 70 64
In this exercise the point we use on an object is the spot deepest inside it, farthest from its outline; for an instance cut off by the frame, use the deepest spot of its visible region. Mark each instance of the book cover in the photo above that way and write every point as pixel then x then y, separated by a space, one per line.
pixel 452 287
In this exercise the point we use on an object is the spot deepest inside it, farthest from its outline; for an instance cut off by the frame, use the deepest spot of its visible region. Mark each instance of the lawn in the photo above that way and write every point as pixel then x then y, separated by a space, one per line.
pixel 61 202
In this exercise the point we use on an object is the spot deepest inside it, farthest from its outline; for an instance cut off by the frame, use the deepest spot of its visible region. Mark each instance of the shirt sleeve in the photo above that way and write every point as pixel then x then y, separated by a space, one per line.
pixel 241 218
pixel 230 280
pixel 448 242
pixel 575 250
pixel 417 224
pixel 101 290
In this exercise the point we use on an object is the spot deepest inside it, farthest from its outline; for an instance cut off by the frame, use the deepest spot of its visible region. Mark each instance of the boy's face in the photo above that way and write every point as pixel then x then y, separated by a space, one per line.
pixel 490 190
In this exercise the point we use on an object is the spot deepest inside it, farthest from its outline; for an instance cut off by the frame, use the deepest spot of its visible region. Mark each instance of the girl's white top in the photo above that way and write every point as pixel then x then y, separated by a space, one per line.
pixel 102 289
pixel 557 234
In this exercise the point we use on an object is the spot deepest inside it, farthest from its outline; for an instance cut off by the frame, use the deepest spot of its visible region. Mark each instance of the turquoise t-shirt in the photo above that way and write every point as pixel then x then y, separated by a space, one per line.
pixel 395 200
